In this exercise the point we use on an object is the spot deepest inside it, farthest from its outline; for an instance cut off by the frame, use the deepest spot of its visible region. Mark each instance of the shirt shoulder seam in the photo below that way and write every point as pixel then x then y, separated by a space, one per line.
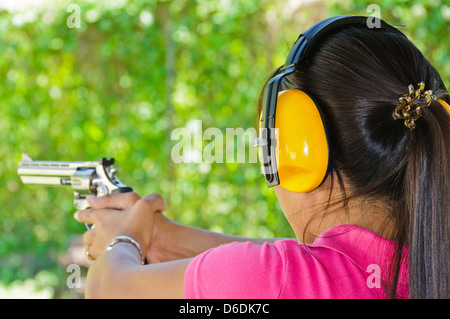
pixel 285 268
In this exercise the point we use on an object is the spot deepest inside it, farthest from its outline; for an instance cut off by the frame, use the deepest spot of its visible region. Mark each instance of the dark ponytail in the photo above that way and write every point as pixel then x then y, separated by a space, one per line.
pixel 427 188
pixel 357 76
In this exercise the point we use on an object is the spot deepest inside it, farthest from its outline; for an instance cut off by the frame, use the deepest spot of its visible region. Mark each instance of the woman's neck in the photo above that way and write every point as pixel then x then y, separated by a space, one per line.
pixel 313 213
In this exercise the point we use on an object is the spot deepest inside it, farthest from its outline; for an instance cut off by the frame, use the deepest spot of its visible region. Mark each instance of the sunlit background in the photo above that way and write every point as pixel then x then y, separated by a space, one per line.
pixel 120 83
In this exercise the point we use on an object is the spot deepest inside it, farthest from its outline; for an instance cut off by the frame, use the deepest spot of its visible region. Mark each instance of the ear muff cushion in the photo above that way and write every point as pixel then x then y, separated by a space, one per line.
pixel 302 147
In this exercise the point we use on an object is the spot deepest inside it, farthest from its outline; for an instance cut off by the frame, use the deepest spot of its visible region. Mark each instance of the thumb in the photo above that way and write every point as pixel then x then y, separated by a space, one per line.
pixel 113 201
pixel 157 202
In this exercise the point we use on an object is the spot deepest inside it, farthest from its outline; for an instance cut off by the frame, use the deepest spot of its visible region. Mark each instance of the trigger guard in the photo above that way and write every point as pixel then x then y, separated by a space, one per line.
pixel 81 204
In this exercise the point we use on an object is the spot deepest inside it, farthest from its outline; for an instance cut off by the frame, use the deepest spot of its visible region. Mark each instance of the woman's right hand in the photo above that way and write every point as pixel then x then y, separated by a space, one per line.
pixel 163 228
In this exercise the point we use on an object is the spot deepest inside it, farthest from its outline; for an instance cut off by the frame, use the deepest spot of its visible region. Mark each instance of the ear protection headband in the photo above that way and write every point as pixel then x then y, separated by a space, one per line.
pixel 293 144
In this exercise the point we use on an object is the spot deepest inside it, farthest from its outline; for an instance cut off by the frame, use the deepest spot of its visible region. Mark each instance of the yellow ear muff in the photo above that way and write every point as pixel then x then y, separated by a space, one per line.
pixel 302 147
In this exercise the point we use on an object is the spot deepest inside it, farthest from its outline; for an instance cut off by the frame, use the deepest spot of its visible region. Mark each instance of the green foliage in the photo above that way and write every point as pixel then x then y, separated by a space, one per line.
pixel 119 85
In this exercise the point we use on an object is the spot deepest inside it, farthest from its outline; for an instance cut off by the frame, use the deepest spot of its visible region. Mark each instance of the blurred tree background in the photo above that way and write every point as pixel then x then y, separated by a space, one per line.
pixel 118 86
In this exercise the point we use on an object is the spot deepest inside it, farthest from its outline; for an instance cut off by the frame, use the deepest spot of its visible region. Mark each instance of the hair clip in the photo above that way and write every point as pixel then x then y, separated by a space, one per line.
pixel 411 104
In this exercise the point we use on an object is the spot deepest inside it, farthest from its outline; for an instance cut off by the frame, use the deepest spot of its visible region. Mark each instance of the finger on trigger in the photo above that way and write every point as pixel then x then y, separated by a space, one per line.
pixel 86 216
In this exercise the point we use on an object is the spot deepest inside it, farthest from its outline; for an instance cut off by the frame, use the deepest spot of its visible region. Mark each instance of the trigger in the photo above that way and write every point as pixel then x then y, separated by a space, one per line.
pixel 102 190
pixel 80 203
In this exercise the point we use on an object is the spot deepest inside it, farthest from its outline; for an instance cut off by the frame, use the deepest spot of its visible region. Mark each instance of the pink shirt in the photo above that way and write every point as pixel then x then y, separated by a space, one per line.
pixel 346 261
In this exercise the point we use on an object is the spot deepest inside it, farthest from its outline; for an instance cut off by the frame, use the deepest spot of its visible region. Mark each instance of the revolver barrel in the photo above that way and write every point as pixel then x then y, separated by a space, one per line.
pixel 50 173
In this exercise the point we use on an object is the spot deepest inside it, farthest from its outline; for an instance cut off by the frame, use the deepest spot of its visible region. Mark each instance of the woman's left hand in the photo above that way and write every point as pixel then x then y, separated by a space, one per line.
pixel 132 216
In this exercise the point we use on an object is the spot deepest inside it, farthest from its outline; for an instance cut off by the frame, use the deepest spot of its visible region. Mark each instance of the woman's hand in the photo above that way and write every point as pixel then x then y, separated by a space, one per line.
pixel 119 214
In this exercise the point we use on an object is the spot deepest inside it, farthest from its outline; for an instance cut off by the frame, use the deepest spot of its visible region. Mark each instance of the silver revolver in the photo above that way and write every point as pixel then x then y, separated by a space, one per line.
pixel 86 178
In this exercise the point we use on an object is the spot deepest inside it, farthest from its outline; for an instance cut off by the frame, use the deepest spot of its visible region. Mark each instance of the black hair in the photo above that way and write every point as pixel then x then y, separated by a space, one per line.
pixel 356 75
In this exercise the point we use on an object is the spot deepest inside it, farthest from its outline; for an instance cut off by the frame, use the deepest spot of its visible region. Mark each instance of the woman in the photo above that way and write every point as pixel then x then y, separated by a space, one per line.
pixel 375 227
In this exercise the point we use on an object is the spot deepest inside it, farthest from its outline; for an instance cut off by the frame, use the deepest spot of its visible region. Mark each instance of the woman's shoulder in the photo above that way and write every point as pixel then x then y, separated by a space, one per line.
pixel 340 257
pixel 237 270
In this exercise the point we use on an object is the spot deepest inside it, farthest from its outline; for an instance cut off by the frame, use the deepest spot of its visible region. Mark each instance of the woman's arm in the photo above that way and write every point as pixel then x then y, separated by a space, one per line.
pixel 117 271
pixel 118 274
pixel 172 241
